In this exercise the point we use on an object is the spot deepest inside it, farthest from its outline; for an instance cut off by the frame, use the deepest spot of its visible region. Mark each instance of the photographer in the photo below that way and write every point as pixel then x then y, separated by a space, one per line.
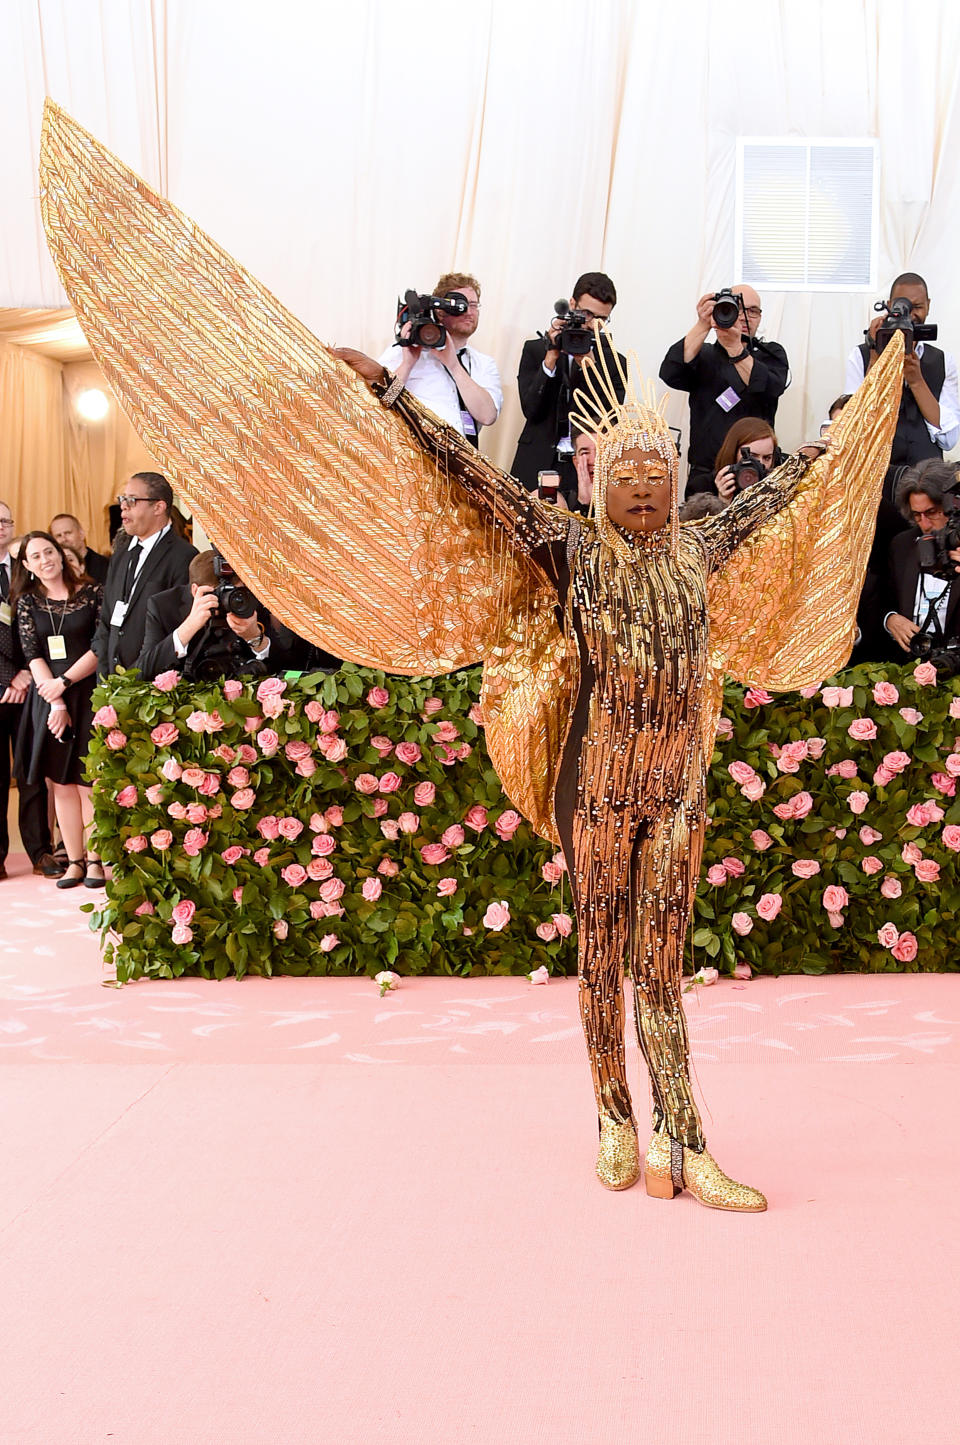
pixel 458 383
pixel 748 453
pixel 551 368
pixel 924 606
pixel 738 373
pixel 192 629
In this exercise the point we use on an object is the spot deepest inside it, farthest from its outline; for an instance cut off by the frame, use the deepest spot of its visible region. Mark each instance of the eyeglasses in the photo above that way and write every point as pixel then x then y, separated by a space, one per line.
pixel 6 521
pixel 753 312
pixel 132 501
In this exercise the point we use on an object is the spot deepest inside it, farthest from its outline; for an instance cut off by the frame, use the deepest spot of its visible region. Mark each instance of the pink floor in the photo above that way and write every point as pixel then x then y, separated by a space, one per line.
pixel 287 1211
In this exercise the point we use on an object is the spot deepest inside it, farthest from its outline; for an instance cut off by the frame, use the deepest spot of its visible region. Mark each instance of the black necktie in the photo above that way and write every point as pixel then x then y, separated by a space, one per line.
pixel 132 559
pixel 4 579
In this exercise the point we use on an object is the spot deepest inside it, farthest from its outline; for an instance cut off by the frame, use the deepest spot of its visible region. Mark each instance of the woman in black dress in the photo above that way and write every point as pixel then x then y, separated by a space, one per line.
pixel 57 615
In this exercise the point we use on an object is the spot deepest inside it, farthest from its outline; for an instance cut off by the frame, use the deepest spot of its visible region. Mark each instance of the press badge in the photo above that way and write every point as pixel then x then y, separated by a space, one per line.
pixel 728 399
pixel 119 614
pixel 56 647
pixel 468 424
pixel 6 614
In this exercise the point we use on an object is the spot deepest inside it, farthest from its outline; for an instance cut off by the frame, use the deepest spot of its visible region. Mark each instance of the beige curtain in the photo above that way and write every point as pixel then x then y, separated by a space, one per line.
pixel 100 455
pixel 32 440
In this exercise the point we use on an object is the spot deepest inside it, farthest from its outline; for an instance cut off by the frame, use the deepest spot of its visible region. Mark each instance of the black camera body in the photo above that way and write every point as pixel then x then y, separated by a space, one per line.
pixel 727 309
pixel 425 314
pixel 942 652
pixel 576 336
pixel 229 591
pixel 747 471
pixel 898 318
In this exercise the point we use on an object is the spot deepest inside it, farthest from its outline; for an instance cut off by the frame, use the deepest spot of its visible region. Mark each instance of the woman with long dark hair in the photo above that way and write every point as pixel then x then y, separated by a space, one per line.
pixel 57 613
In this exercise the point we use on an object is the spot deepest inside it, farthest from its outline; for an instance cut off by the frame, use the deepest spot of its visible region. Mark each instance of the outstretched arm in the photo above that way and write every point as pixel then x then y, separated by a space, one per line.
pixel 724 533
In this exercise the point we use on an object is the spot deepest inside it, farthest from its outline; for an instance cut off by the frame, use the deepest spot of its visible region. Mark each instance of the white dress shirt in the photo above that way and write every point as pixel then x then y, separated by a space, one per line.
pixel 945 435
pixel 430 381
pixel 146 545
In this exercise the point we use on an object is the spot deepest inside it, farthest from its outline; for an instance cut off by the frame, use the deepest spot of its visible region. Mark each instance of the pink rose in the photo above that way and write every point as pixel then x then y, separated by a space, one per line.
pixel 810 690
pixel 314 710
pixel 476 715
pixel 267 741
pixel 197 721
pixel 497 916
pixel 805 868
pixel 559 861
pixel 911 716
pixel 888 935
pixel 306 767
pixel 564 923
pixel 742 971
pixel 753 790
pixel 769 906
pixel 905 948
pixel 262 857
pixel 847 768
pixel 378 697
pixel 243 798
pixel 871 864
pixel 166 681
pixel 923 813
pixel 761 840
pixel 193 840
pixel 196 813
pixel 144 909
pixel 551 873
pixel 232 855
pixel 740 772
pixel 507 824
pixel 215 812
pixel 838 697
pixel 192 777
pixel 408 822
pixel 706 976
pixel 742 923
pixel 547 932
pixel 945 784
pixel 454 836
pixel 271 687
pixel 329 721
pixel 927 870
pixel 296 749
pixel 950 837
pixel 294 874
pixel 105 717
pixel 835 920
pixel 177 810
pixel 269 828
pixel 246 755
pixel 432 705
pixel 445 732
pixel 366 783
pixel 371 890
pixel 816 746
pixel 858 801
pixel 115 739
pixel 127 796
pixel 408 753
pixel 232 689
pixel 328 942
pixel 863 729
pixel 925 675
pixel 447 756
pixel 388 868
pixel 390 782
pixel 896 762
pixel 910 854
pixel 380 807
pixel 476 818
pixel 161 839
pixel 885 694
pixel 290 828
pixel 447 887
pixel 434 853
pixel 334 749
pixel 796 807
pixel 238 777
pixel 891 887
pixel 154 794
pixel 319 868
pixel 733 867
pixel 183 911
pixel 882 776
pixel 717 875
pixel 756 697
pixel 333 817
pixel 323 845
pixel 137 844
pixel 332 890
pixel 280 928
pixel 835 898
pixel 952 765
pixel 791 756
pixel 724 728
pixel 180 933
pixel 424 794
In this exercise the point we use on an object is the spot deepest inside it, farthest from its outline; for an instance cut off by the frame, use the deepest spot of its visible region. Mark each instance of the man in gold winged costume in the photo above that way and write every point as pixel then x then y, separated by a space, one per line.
pixel 605 642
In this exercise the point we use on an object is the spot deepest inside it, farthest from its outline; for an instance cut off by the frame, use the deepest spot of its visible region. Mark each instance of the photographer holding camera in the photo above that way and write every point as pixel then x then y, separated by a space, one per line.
pixel 458 383
pixel 551 368
pixel 748 453
pixel 924 615
pixel 210 628
pixel 738 373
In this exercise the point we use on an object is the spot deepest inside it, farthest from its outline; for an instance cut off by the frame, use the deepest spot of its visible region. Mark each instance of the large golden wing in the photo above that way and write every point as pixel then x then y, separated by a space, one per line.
pixel 319 496
pixel 783 610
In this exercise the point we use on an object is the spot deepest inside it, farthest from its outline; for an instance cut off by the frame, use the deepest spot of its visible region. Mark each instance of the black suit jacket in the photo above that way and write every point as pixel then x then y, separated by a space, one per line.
pixel 166 566
pixel 168 609
pixel 96 565
pixel 903 578
pixel 545 401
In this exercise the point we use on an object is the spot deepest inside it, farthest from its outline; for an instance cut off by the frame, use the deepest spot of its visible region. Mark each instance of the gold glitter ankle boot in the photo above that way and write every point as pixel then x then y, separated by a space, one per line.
pixel 669 1167
pixel 618 1158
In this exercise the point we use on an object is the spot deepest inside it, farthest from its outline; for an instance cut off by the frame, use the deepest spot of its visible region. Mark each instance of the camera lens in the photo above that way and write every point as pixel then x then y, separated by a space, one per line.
pixel 725 312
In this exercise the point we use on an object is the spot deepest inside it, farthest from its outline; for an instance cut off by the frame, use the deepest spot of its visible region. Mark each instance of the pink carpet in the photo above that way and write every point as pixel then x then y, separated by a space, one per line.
pixel 285 1210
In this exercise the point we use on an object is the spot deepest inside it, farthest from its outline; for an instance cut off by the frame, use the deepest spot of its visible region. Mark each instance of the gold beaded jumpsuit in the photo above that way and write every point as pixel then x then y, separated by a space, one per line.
pixel 374 530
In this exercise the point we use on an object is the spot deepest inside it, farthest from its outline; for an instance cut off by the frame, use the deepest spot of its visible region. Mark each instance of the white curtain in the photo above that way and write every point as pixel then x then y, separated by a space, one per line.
pixel 345 152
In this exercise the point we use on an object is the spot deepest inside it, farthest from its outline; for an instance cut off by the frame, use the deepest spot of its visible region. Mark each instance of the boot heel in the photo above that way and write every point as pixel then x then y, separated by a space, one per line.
pixel 659 1186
